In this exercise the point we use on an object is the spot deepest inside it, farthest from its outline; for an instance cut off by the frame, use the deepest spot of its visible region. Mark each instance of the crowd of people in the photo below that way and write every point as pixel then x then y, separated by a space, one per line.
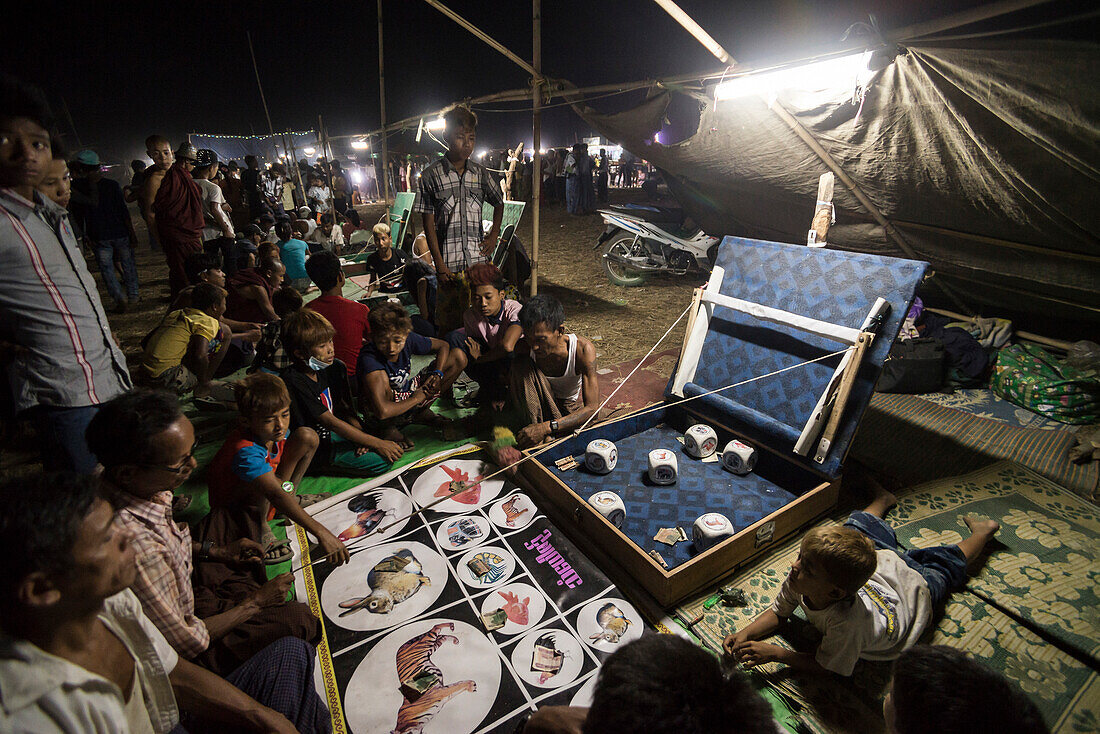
pixel 116 618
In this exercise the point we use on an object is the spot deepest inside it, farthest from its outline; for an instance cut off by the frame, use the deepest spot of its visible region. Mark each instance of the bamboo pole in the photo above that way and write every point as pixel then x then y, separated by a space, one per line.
pixel 382 111
pixel 263 97
pixel 1025 335
pixel 536 125
pixel 696 30
pixel 489 40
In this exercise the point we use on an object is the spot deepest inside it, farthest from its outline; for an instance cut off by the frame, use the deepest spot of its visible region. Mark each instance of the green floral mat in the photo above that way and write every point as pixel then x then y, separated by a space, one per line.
pixel 1031 611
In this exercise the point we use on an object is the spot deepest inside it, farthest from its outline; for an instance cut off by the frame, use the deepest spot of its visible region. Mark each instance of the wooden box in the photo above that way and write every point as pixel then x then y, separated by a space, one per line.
pixel 783 351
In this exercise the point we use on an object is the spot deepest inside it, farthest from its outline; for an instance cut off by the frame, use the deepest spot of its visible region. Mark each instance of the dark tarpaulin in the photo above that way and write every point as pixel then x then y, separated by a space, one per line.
pixel 997 139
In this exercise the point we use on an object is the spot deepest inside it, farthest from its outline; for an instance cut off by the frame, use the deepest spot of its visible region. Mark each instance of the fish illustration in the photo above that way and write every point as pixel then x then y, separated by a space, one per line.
pixel 466 491
pixel 613 624
pixel 392 580
pixel 511 513
pixel 514 608
pixel 368 518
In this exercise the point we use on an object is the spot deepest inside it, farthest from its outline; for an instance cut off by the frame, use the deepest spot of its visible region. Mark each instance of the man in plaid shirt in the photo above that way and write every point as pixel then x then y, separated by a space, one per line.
pixel 452 191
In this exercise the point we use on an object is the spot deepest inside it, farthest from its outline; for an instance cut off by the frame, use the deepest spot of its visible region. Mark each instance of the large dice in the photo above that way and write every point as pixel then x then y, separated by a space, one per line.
pixel 662 466
pixel 710 529
pixel 610 505
pixel 600 456
pixel 700 441
pixel 738 457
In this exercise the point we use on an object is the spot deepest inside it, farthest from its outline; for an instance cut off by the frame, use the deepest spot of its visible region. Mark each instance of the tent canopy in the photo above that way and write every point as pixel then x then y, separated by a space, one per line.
pixel 982 151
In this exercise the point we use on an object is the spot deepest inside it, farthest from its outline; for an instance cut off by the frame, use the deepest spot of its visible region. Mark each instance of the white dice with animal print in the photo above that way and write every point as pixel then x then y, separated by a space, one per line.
pixel 662 466
pixel 700 441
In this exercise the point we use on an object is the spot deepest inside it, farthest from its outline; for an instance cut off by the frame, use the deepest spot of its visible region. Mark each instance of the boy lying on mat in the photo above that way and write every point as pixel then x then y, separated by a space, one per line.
pixel 868 598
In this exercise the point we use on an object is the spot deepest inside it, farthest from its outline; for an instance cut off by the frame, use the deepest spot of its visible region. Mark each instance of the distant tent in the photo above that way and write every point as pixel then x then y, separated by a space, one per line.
pixel 981 150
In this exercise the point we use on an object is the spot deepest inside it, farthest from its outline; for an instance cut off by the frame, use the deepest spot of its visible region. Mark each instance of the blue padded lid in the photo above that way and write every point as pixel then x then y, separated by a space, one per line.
pixel 828 285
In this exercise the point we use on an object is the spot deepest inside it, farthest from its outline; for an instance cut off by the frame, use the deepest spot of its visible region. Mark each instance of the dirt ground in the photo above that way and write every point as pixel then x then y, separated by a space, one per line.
pixel 623 322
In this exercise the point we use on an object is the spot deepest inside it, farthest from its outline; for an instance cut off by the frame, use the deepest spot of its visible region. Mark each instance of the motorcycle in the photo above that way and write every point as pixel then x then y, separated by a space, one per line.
pixel 641 240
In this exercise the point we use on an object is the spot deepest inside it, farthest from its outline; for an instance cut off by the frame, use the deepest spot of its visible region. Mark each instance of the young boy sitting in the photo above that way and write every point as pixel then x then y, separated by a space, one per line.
pixel 387 389
pixel 270 355
pixel 939 690
pixel 183 352
pixel 869 599
pixel 385 265
pixel 258 468
pixel 320 399
pixel 490 330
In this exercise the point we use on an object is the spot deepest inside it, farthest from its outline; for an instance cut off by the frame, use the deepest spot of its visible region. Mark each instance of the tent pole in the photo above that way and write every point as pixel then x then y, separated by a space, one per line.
pixel 492 42
pixel 696 30
pixel 536 125
pixel 382 111
pixel 263 98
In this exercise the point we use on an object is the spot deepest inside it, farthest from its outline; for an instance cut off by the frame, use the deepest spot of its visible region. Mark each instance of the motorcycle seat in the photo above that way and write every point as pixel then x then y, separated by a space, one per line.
pixel 654 214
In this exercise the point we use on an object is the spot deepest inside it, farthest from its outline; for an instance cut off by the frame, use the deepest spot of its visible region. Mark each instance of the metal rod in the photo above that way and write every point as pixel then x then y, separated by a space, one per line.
pixel 382 111
pixel 263 98
pixel 696 30
pixel 536 125
pixel 492 42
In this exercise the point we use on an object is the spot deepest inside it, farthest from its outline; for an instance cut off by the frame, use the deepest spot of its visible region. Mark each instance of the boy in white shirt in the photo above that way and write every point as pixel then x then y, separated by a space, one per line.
pixel 868 598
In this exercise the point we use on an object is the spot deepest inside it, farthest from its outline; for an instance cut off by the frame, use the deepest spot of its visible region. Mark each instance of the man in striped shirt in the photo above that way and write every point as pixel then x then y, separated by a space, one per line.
pixel 61 360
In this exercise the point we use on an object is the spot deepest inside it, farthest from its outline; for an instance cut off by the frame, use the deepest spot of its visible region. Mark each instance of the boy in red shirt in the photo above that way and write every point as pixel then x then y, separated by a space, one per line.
pixel 259 466
pixel 349 318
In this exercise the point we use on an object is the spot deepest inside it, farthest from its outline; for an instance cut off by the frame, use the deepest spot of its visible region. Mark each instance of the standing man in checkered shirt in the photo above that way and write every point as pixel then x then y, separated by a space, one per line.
pixel 452 191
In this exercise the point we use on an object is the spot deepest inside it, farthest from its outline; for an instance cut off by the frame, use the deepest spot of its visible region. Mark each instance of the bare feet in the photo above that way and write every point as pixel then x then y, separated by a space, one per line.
pixel 392 434
pixel 981 532
pixel 882 500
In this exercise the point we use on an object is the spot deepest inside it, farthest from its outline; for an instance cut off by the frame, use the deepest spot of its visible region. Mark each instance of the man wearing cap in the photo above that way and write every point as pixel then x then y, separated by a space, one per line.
pixel 100 212
pixel 217 232
pixel 179 218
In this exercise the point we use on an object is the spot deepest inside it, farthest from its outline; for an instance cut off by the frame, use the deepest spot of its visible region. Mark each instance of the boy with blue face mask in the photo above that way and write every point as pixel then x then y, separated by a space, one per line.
pixel 320 399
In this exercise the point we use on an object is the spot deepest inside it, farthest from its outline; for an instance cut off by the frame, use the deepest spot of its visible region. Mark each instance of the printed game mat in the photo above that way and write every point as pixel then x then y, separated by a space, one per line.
pixel 460 618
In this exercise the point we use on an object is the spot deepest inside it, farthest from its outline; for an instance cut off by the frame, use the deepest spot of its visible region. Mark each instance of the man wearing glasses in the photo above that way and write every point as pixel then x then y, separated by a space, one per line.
pixel 146 446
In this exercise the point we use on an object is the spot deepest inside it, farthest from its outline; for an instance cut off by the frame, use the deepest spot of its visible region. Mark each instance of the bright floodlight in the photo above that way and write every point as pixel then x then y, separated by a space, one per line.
pixel 359 144
pixel 542 151
pixel 437 124
pixel 357 176
pixel 308 151
pixel 843 72
pixel 481 154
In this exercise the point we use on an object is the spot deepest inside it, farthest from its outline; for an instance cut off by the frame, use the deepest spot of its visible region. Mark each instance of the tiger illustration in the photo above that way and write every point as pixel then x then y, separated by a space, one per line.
pixel 414 661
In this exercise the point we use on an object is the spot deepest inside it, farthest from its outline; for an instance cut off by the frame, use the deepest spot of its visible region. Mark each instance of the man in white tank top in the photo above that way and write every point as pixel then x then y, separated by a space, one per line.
pixel 553 378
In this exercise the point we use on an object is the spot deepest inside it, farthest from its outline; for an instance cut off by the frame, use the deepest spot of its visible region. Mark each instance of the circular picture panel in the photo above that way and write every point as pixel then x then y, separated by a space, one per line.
pixel 383 586
pixel 449 678
pixel 608 624
pixel 460 533
pixel 513 512
pixel 452 476
pixel 486 567
pixel 357 519
pixel 548 658
pixel 522 605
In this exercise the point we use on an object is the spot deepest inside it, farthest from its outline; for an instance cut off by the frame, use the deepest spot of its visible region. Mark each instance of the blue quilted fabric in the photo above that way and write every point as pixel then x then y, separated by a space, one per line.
pixel 829 285
pixel 700 488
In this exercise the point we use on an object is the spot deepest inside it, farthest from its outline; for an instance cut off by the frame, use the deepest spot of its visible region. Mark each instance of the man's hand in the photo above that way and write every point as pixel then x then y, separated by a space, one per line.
pixel 533 435
pixel 442 273
pixel 734 640
pixel 430 386
pixel 752 653
pixel 389 450
pixel 334 550
pixel 273 593
pixel 474 348
pixel 488 244
pixel 243 551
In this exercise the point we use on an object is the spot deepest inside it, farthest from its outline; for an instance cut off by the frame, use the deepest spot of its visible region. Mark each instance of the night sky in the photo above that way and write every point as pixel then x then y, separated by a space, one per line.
pixel 125 71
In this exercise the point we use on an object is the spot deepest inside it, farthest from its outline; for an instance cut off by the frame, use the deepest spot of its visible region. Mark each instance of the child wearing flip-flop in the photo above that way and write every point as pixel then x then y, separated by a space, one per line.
pixel 257 470
pixel 869 598
pixel 388 391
